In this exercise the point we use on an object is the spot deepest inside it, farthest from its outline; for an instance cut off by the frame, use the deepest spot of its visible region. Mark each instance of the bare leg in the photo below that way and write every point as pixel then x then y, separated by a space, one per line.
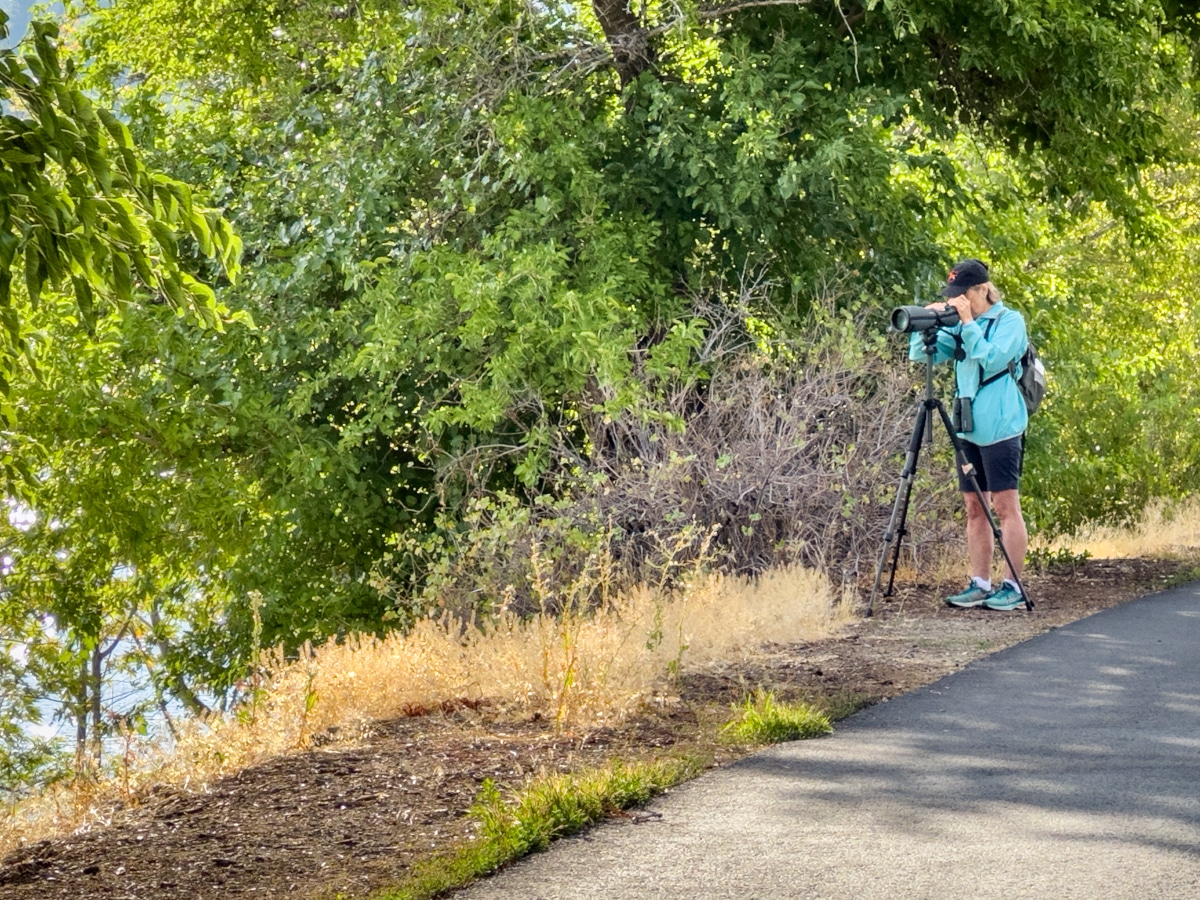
pixel 1012 528
pixel 980 541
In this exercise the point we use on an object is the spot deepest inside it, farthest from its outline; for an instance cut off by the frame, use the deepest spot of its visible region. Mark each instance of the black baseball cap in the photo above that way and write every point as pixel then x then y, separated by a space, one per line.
pixel 965 274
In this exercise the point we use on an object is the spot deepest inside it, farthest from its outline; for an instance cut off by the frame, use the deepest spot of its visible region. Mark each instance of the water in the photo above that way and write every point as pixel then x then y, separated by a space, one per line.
pixel 122 692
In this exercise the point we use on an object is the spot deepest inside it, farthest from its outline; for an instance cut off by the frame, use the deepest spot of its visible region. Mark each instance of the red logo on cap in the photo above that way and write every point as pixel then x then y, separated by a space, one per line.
pixel 951 276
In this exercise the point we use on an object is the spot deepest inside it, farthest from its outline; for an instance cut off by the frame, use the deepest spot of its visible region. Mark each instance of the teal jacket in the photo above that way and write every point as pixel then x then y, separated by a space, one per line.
pixel 998 409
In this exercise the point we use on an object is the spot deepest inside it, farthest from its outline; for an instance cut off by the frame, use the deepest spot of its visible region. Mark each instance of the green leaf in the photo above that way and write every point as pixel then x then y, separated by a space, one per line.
pixel 165 237
pixel 122 276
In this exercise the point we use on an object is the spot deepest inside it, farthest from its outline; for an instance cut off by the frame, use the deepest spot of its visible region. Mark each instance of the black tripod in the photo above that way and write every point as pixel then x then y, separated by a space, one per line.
pixel 923 429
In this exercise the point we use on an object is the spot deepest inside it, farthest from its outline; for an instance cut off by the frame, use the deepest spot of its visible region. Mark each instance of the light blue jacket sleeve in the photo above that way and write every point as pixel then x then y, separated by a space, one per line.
pixel 998 409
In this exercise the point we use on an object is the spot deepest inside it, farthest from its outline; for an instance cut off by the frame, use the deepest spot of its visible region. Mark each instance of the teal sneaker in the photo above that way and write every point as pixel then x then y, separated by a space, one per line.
pixel 1004 597
pixel 974 595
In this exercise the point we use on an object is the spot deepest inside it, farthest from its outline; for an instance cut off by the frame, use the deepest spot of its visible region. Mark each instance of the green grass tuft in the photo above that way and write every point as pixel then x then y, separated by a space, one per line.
pixel 1187 576
pixel 550 808
pixel 764 720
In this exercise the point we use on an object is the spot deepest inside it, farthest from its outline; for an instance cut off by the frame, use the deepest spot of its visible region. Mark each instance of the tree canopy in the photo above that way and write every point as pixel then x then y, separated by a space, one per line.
pixel 80 210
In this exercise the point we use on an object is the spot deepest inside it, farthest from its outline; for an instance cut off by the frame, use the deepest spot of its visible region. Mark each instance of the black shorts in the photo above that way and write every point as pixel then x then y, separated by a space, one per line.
pixel 997 466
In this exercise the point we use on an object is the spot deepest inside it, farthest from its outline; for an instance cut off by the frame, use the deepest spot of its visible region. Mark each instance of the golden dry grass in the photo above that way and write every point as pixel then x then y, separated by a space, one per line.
pixel 578 666
pixel 1163 529
pixel 572 667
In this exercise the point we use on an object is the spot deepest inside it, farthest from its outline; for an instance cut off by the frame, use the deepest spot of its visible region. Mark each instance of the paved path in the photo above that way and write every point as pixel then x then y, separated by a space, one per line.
pixel 1067 766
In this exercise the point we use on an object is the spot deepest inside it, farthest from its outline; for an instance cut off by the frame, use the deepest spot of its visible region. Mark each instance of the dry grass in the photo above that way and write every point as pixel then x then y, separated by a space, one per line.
pixel 588 663
pixel 1163 530
pixel 574 667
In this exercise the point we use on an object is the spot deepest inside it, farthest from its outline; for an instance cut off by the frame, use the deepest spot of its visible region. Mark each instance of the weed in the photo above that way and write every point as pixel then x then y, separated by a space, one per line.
pixel 764 720
pixel 1185 577
pixel 552 806
pixel 1046 559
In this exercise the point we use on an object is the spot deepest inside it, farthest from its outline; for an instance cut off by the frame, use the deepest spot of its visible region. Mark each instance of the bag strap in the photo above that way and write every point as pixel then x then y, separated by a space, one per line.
pixel 1010 369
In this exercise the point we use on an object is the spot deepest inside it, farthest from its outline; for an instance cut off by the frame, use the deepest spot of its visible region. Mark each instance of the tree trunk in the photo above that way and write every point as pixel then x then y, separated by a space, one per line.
pixel 82 761
pixel 631 50
pixel 97 744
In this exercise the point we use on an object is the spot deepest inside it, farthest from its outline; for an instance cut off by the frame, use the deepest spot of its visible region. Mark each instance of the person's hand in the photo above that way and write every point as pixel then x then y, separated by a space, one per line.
pixel 963 305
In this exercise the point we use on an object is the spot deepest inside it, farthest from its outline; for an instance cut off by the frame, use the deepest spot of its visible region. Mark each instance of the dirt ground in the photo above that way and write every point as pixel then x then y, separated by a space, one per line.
pixel 350 819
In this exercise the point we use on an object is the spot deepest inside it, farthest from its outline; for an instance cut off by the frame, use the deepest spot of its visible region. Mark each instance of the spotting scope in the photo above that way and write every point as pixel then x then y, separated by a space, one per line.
pixel 906 319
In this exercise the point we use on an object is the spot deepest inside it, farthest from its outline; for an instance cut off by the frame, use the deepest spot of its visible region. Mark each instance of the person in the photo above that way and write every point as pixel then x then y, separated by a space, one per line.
pixel 987 339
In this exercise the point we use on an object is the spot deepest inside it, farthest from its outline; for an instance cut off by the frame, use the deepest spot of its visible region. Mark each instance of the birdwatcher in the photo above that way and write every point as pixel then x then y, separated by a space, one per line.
pixel 990 419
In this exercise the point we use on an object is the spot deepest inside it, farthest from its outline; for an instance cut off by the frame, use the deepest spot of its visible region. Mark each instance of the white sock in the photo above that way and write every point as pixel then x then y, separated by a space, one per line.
pixel 981 583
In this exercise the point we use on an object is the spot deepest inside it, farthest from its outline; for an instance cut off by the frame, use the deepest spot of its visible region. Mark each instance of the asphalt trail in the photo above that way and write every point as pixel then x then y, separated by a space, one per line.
pixel 1065 767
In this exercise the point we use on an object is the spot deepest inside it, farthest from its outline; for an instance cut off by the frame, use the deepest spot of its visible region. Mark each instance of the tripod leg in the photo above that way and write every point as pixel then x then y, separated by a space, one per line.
pixel 907 477
pixel 895 529
pixel 969 471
